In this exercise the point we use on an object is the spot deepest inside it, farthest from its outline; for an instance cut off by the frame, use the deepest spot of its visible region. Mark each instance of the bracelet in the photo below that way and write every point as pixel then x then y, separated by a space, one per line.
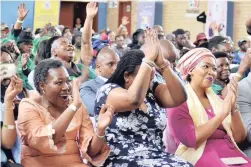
pixel 100 137
pixel 149 62
pixel 19 21
pixel 72 108
pixel 147 65
pixel 11 127
pixel 165 66
pixel 12 107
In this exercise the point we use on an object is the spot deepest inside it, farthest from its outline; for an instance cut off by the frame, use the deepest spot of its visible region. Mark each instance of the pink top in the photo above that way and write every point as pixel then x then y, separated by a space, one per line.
pixel 38 148
pixel 219 145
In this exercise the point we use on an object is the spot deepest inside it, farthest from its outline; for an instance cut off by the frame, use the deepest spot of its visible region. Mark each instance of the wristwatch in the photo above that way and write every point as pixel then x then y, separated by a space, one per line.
pixel 73 108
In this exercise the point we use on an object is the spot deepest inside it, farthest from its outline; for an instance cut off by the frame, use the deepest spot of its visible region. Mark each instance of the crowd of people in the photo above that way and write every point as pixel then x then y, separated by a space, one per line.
pixel 75 97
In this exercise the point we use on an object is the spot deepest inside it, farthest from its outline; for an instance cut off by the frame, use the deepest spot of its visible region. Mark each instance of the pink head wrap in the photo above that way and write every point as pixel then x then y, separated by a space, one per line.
pixel 189 61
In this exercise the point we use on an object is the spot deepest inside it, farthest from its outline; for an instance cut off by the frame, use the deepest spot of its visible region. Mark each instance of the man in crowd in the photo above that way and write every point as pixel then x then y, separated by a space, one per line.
pixel 160 31
pixel 171 37
pixel 182 40
pixel 4 30
pixel 106 64
pixel 119 46
pixel 244 102
pixel 243 45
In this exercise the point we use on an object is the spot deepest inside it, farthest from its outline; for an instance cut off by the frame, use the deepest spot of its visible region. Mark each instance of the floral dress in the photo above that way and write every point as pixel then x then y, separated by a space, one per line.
pixel 135 137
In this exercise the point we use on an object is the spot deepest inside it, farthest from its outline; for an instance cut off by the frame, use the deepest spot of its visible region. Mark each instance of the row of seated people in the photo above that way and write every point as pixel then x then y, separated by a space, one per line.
pixel 56 130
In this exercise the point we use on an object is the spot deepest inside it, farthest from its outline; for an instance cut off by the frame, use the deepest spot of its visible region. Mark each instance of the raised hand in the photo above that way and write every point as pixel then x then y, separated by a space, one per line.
pixel 151 47
pixel 12 47
pixel 91 10
pixel 229 103
pixel 25 58
pixel 105 117
pixel 15 87
pixel 234 89
pixel 22 11
pixel 246 61
pixel 75 93
pixel 125 21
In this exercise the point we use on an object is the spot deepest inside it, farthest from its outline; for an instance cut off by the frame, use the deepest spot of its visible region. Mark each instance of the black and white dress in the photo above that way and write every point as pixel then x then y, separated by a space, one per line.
pixel 135 137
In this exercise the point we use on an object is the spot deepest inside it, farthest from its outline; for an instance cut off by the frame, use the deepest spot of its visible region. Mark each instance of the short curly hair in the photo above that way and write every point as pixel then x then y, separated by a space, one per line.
pixel 41 71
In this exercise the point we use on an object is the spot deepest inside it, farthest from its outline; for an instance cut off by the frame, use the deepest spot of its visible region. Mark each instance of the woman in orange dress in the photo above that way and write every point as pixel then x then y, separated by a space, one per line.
pixel 57 131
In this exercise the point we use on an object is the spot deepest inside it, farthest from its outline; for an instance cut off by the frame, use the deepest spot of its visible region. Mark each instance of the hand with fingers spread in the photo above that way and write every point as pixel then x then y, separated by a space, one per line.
pixel 125 21
pixel 22 11
pixel 91 10
pixel 151 46
pixel 105 117
pixel 15 87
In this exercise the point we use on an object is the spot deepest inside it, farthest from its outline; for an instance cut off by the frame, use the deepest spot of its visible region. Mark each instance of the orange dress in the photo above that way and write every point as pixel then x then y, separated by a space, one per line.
pixel 38 148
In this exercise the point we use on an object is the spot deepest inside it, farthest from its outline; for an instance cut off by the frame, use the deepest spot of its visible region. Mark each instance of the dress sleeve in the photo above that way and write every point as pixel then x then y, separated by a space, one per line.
pixel 102 95
pixel 181 125
pixel 35 133
pixel 85 136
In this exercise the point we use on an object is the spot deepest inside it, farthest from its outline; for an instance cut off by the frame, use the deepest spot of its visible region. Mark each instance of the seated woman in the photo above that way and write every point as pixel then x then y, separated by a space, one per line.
pixel 224 72
pixel 8 69
pixel 8 130
pixel 55 130
pixel 135 134
pixel 205 127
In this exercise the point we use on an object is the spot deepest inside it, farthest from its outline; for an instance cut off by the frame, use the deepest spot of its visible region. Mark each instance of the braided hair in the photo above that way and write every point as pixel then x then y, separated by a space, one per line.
pixel 128 63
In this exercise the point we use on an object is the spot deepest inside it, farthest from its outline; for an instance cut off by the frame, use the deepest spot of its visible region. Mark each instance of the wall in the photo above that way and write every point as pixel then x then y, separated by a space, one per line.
pixel 174 17
pixel 241 11
pixel 9 12
pixel 134 16
pixel 112 18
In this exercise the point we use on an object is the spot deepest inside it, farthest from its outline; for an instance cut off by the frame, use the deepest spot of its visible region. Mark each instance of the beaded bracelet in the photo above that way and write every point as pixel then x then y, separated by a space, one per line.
pixel 165 66
pixel 147 65
pixel 96 133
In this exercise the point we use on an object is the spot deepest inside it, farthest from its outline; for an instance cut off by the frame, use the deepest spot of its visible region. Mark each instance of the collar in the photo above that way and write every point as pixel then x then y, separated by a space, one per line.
pixel 104 79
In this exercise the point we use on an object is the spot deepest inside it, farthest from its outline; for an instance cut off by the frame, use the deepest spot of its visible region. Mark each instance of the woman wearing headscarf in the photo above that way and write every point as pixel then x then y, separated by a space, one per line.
pixel 206 127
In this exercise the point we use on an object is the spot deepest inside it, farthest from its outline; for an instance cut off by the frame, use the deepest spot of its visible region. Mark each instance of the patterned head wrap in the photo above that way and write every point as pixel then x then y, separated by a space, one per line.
pixel 189 61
